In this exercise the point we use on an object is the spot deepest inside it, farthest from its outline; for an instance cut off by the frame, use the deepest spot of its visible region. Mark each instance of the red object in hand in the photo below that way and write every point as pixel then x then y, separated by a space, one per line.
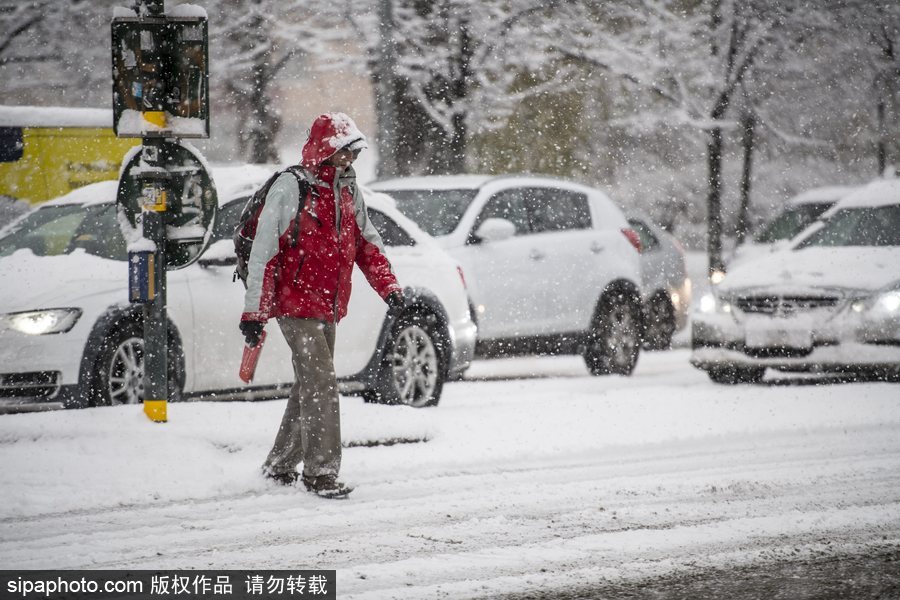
pixel 250 358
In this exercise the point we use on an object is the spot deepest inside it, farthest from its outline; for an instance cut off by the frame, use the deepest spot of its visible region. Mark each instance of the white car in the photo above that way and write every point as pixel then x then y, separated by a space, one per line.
pixel 800 212
pixel 665 285
pixel 69 335
pixel 830 303
pixel 552 266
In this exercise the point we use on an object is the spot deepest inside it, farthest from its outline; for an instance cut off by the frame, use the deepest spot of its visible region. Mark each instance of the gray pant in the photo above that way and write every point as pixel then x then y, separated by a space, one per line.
pixel 310 430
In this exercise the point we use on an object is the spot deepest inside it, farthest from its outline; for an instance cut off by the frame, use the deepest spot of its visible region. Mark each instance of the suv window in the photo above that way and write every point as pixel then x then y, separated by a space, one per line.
pixel 391 233
pixel 227 220
pixel 509 205
pixel 436 211
pixel 648 240
pixel 557 210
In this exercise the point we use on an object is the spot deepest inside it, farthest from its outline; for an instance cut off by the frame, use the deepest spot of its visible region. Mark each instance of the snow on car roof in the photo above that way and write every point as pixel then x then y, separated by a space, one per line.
pixel 95 193
pixel 54 116
pixel 434 182
pixel 830 193
pixel 472 182
pixel 877 193
pixel 230 181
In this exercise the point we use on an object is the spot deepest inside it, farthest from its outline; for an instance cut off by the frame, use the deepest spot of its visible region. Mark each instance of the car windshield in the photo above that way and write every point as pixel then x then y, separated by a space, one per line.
pixel 791 222
pixel 62 229
pixel 860 226
pixel 436 211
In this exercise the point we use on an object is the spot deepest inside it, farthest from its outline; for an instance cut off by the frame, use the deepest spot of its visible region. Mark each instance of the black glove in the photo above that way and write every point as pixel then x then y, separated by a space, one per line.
pixel 252 331
pixel 396 302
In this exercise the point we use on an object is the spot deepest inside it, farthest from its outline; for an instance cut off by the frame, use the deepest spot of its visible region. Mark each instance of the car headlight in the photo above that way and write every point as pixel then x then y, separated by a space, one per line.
pixel 883 303
pixel 710 304
pixel 888 302
pixel 40 322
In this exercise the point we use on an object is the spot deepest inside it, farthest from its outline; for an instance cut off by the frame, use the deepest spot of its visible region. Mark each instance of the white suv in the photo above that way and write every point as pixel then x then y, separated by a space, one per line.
pixel 68 334
pixel 551 266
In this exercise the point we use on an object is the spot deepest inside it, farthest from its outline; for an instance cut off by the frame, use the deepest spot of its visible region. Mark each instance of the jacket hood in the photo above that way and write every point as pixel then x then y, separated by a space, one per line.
pixel 329 133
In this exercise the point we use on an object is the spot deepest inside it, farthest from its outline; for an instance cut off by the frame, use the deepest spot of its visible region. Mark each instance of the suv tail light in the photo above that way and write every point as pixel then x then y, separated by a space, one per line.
pixel 633 237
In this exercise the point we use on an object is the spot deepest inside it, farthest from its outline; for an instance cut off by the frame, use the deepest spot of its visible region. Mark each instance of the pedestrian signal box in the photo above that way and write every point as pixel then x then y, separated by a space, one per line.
pixel 160 68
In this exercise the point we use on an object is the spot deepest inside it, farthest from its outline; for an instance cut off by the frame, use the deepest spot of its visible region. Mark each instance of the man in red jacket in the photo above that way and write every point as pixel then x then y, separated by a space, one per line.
pixel 299 273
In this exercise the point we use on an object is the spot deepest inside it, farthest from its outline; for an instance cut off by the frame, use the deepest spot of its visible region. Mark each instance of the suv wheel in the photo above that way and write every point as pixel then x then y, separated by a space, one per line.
pixel 615 338
pixel 411 372
pixel 659 324
pixel 732 375
pixel 119 376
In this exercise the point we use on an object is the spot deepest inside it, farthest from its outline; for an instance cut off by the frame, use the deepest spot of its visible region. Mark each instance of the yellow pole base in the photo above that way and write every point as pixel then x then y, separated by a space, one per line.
pixel 156 117
pixel 156 410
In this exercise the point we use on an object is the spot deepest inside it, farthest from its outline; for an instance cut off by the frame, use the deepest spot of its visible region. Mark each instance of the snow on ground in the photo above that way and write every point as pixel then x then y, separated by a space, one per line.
pixel 534 477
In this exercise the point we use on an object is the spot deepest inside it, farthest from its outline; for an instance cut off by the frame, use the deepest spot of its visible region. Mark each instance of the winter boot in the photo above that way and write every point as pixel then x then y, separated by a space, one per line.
pixel 289 478
pixel 326 486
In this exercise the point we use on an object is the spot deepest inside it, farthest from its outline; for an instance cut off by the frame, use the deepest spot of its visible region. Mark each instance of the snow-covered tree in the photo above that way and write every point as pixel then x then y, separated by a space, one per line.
pixel 49 51
pixel 685 64
pixel 450 70
pixel 254 45
pixel 865 40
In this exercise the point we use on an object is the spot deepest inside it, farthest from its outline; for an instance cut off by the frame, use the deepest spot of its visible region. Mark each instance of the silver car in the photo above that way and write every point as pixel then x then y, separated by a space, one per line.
pixel 799 212
pixel 830 303
pixel 665 286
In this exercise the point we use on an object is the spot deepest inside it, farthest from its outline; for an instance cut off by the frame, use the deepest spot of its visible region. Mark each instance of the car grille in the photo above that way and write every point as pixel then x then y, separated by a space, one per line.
pixel 37 384
pixel 778 352
pixel 784 306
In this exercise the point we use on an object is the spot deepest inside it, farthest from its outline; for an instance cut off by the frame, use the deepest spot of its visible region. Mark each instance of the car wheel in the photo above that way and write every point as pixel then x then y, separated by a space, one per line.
pixel 411 371
pixel 615 338
pixel 119 376
pixel 659 324
pixel 732 375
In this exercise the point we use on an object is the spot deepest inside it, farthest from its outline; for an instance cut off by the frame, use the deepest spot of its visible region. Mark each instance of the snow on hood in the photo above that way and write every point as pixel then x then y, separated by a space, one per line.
pixel 64 280
pixel 852 268
pixel 330 132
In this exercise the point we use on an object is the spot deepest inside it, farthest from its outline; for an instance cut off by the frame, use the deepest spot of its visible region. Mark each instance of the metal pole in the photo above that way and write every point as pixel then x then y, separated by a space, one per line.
pixel 156 349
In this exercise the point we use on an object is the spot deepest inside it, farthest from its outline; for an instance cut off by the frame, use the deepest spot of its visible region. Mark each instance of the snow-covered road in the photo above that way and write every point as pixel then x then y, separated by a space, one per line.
pixel 551 481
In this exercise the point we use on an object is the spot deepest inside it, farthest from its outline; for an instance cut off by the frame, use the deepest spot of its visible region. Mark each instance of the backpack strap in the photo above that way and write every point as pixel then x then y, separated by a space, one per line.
pixel 305 190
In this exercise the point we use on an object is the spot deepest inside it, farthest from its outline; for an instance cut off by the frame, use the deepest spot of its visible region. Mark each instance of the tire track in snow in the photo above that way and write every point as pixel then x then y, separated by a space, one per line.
pixel 493 511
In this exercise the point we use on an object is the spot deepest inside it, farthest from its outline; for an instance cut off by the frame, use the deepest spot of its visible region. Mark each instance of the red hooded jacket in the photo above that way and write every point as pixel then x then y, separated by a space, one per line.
pixel 310 278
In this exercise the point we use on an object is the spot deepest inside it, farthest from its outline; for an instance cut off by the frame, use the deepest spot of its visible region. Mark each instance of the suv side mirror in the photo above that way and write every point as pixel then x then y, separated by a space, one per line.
pixel 495 230
pixel 219 254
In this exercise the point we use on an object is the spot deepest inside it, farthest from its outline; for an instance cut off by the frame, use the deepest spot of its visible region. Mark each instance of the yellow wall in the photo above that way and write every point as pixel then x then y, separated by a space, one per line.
pixel 56 160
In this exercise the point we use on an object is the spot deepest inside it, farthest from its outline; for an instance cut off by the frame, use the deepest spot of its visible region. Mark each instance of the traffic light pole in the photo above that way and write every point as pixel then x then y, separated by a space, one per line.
pixel 160 71
pixel 156 351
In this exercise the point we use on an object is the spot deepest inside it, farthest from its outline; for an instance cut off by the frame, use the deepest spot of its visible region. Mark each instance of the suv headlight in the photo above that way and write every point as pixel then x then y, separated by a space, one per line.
pixel 40 322
pixel 712 304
